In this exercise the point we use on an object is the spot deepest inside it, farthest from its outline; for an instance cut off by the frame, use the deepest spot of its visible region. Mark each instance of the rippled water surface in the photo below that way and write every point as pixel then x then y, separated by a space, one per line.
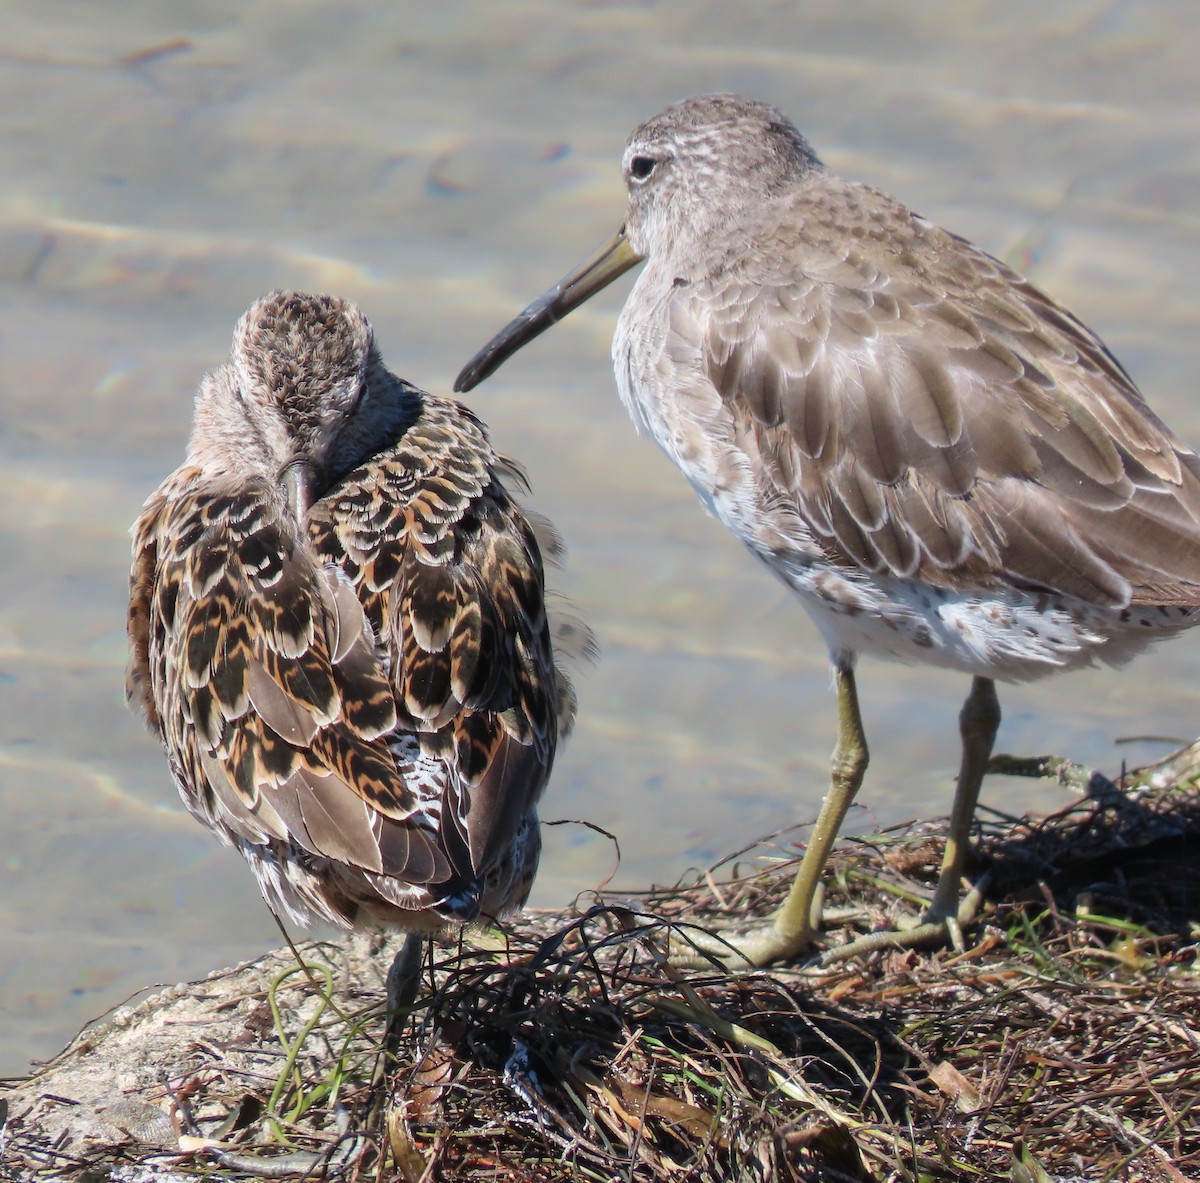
pixel 165 163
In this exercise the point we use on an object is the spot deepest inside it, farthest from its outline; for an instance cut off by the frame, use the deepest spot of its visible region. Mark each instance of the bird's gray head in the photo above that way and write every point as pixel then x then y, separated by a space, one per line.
pixel 693 167
pixel 291 404
pixel 694 173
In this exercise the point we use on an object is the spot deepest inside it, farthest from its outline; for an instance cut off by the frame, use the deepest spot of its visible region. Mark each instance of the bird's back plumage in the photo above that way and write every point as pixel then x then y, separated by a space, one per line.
pixel 363 697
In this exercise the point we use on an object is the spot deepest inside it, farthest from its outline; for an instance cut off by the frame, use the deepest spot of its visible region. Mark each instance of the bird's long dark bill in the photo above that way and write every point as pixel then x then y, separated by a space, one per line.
pixel 299 482
pixel 613 259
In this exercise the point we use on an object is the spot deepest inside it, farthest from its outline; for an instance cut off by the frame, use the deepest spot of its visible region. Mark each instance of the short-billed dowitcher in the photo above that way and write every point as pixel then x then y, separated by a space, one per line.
pixel 945 465
pixel 337 630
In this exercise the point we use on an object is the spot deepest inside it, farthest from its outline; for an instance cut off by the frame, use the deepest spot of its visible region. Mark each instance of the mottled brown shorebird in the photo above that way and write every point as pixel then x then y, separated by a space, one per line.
pixel 337 630
pixel 945 465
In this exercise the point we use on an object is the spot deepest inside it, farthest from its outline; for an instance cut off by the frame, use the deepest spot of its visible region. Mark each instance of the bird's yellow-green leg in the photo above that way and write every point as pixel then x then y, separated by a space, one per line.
pixel 792 928
pixel 945 917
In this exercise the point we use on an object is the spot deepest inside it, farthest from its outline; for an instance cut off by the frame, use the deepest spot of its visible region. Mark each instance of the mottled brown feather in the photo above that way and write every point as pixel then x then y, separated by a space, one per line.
pixel 364 699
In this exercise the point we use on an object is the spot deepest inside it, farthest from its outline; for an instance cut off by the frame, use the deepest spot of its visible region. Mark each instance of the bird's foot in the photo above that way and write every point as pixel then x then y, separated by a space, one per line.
pixel 733 951
pixel 938 927
pixel 739 949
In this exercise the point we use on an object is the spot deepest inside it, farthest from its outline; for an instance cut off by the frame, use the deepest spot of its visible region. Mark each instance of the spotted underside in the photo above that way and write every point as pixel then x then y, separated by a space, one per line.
pixel 367 705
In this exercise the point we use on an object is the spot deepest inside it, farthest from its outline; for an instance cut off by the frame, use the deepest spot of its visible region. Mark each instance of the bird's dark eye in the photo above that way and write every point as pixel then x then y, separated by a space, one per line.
pixel 640 167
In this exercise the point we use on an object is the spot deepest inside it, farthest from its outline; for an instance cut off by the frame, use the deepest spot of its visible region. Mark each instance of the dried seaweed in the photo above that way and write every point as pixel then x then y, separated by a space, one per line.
pixel 1063 1043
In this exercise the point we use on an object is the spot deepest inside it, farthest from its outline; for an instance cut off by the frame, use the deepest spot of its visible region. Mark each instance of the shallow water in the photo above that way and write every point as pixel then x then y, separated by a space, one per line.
pixel 167 163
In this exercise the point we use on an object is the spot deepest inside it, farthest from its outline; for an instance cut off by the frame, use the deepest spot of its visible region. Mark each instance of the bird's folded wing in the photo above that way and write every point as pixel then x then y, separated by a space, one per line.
pixel 950 428
pixel 268 689
pixel 451 576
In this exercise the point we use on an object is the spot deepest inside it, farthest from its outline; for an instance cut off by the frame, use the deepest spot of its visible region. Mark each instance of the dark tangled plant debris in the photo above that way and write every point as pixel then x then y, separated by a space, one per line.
pixel 1063 1043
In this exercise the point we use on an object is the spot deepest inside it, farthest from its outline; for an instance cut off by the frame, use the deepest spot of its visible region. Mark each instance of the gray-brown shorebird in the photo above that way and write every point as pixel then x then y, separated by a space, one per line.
pixel 337 630
pixel 945 465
